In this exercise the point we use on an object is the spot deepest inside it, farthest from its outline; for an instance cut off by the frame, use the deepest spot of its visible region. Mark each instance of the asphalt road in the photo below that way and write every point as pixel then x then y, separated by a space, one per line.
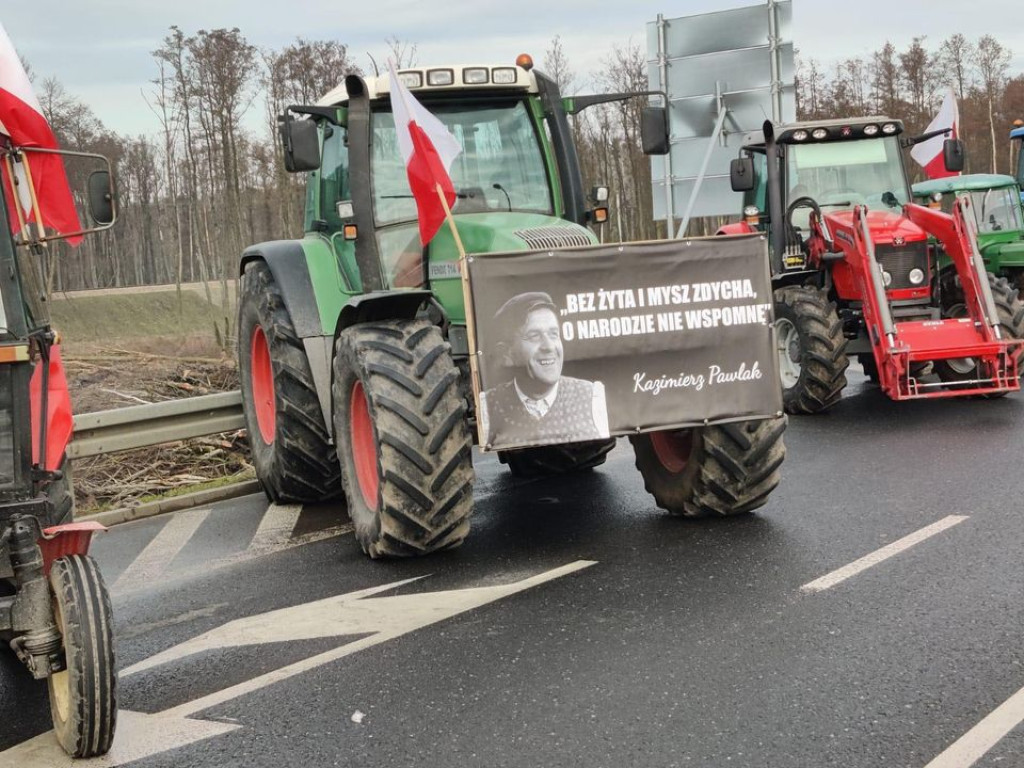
pixel 578 626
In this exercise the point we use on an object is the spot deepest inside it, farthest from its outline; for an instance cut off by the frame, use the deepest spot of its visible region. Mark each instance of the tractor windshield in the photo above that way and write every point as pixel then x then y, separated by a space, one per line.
pixel 847 173
pixel 997 210
pixel 500 168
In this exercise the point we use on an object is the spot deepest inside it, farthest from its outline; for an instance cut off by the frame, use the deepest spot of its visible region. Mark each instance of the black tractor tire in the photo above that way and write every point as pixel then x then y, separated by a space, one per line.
pixel 1011 326
pixel 291 447
pixel 714 471
pixel 401 429
pixel 83 697
pixel 61 495
pixel 550 460
pixel 812 349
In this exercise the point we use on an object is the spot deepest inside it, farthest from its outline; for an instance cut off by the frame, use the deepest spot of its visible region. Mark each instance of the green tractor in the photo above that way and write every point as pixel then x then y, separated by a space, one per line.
pixel 354 351
pixel 998 214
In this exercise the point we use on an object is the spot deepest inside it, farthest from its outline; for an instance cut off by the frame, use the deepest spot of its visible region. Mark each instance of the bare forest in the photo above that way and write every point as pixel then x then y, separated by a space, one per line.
pixel 210 180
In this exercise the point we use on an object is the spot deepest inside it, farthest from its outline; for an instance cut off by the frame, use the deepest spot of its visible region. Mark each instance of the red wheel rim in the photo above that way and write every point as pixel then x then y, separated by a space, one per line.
pixel 673 449
pixel 364 446
pixel 262 374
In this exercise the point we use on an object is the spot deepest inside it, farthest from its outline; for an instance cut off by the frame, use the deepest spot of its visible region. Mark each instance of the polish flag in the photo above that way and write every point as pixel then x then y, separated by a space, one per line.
pixel 22 121
pixel 928 154
pixel 428 149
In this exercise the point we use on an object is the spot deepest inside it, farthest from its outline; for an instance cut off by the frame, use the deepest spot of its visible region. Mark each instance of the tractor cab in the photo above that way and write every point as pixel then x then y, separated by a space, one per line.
pixel 517 178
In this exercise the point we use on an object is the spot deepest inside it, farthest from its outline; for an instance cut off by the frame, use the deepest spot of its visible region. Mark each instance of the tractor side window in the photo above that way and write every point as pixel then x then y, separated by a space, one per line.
pixel 758 195
pixel 333 175
pixel 997 210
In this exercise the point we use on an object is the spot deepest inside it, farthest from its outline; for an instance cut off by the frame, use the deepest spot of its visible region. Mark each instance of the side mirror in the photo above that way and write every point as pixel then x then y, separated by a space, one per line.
pixel 954 154
pixel 300 143
pixel 654 130
pixel 741 174
pixel 100 193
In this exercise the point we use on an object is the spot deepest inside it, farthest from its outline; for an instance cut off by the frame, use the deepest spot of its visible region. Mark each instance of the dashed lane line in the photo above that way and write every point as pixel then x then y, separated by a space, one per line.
pixel 159 553
pixel 859 566
pixel 973 745
pixel 275 528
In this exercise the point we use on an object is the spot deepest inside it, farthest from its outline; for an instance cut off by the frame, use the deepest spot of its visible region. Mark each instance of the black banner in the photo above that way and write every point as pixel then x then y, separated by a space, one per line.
pixel 583 343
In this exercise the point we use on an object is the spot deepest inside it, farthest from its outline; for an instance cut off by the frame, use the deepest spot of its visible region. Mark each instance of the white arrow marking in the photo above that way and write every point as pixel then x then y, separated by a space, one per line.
pixel 380 618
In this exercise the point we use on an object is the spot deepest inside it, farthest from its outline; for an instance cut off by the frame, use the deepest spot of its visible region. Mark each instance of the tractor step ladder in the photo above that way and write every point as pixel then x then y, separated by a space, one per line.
pixel 902 348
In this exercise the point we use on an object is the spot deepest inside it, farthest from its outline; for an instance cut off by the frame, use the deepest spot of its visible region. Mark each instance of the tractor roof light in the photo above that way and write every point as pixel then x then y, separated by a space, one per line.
pixel 871 130
pixel 935 200
pixel 503 75
pixel 440 77
pixel 475 76
pixel 525 61
pixel 889 129
pixel 599 194
pixel 752 215
pixel 819 133
pixel 800 135
pixel 411 79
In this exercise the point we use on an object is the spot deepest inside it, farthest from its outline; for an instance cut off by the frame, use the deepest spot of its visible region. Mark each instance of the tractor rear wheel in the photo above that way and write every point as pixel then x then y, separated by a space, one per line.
pixel 403 439
pixel 1010 309
pixel 291 448
pixel 812 349
pixel 719 470
pixel 550 460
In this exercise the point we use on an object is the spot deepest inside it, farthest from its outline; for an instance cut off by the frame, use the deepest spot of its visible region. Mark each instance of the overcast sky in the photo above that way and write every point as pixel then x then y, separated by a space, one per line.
pixel 100 49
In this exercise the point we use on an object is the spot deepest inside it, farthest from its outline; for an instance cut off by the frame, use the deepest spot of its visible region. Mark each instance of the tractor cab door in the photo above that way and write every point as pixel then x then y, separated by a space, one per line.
pixel 329 198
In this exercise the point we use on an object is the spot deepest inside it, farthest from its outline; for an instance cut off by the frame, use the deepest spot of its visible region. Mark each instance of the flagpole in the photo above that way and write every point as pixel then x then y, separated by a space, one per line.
pixel 32 193
pixel 467 297
pixel 15 199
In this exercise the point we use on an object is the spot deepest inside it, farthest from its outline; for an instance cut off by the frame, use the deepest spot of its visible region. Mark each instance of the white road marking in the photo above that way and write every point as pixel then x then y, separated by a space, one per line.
pixel 275 528
pixel 970 747
pixel 164 547
pixel 385 618
pixel 844 573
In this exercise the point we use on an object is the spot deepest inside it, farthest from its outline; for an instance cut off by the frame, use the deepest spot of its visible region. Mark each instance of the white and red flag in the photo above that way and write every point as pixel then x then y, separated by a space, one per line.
pixel 428 149
pixel 22 121
pixel 928 153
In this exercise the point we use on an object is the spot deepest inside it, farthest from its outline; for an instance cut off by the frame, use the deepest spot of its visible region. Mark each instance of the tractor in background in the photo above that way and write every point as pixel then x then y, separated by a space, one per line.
pixel 1017 135
pixel 353 346
pixel 999 218
pixel 854 274
pixel 54 607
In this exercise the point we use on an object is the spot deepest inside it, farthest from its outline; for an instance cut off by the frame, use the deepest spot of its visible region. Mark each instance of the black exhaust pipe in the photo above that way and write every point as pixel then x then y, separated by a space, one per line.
pixel 775 209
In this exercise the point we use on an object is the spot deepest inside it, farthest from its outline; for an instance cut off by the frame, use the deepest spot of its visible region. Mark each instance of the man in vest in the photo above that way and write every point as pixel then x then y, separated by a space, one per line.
pixel 538 406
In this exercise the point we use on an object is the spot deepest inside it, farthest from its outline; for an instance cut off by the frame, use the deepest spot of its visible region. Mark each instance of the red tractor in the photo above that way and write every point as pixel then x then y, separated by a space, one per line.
pixel 854 274
pixel 54 608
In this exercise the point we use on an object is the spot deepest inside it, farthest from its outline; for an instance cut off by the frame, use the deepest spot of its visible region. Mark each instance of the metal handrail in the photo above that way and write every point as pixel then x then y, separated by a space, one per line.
pixel 143 426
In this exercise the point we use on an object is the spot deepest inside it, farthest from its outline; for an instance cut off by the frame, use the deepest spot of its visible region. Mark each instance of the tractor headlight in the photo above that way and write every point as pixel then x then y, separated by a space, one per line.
pixel 916 276
pixel 886 278
pixel 800 135
pixel 889 129
pixel 871 130
pixel 439 77
pixel 475 76
pixel 820 133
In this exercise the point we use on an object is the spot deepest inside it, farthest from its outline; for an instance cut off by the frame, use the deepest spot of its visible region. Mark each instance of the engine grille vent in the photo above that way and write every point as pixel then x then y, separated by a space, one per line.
pixel 553 237
pixel 899 261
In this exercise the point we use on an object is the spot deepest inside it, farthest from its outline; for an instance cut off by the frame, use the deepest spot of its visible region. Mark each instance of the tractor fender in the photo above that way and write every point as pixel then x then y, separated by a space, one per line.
pixel 737 228
pixel 382 305
pixel 287 262
pixel 59 421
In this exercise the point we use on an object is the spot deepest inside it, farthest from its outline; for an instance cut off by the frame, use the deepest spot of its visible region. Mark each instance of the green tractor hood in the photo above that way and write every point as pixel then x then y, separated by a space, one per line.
pixel 1001 255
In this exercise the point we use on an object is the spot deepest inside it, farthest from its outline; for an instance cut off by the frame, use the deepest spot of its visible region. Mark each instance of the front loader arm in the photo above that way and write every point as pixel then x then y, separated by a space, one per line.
pixel 958 234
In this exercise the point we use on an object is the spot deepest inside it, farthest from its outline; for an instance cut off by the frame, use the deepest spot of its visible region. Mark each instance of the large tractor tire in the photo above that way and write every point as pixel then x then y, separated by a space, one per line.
pixel 291 447
pixel 61 495
pixel 955 372
pixel 812 349
pixel 83 697
pixel 550 460
pixel 720 470
pixel 402 436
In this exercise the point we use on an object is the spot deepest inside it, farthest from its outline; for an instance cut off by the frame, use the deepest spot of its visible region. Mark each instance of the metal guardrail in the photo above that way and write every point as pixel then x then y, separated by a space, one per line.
pixel 143 426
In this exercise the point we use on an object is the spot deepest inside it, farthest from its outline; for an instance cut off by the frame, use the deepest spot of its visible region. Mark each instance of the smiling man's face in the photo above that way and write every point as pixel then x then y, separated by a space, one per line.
pixel 537 350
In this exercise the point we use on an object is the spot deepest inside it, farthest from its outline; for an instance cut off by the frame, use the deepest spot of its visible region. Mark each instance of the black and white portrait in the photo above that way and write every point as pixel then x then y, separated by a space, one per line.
pixel 536 404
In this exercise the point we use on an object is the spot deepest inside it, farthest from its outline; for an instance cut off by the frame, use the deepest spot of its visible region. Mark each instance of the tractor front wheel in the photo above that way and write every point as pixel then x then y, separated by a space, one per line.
pixel 957 372
pixel 812 349
pixel 83 696
pixel 402 437
pixel 718 470
pixel 291 447
pixel 549 460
